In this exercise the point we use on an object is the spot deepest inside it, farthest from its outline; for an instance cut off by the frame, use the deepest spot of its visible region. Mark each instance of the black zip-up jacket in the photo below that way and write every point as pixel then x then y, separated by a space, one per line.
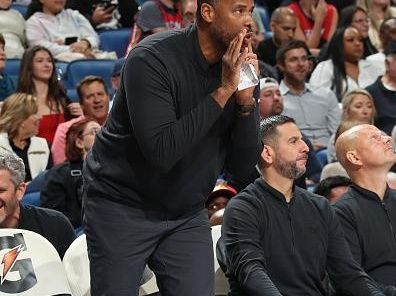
pixel 274 248
pixel 369 225
pixel 166 139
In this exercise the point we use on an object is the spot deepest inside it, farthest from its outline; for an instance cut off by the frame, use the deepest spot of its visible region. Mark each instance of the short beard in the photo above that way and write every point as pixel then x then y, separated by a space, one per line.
pixel 289 169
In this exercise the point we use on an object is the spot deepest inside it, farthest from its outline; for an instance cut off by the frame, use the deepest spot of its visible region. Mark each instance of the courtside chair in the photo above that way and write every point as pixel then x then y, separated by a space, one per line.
pixel 31 265
pixel 115 40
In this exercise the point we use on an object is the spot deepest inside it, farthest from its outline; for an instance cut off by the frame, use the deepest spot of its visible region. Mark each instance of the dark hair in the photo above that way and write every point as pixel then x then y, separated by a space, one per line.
pixel 268 127
pixel 337 56
pixel 73 153
pixel 33 7
pixel 346 15
pixel 2 40
pixel 87 80
pixel 325 186
pixel 384 32
pixel 56 92
pixel 292 44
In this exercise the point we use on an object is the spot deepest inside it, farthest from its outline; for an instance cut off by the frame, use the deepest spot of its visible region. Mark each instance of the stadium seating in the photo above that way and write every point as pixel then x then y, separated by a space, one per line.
pixel 115 40
pixel 77 70
pixel 12 69
pixel 19 7
pixel 32 198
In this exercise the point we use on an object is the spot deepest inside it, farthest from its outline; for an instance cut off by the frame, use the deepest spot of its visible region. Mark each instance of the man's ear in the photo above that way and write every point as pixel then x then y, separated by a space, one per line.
pixel 207 12
pixel 267 155
pixel 20 191
pixel 353 157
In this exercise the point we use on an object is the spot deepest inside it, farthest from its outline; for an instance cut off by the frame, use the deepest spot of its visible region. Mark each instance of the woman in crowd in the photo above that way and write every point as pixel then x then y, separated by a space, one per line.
pixel 65 32
pixel 38 76
pixel 378 11
pixel 19 123
pixel 317 21
pixel 356 16
pixel 12 26
pixel 345 70
pixel 63 183
pixel 357 106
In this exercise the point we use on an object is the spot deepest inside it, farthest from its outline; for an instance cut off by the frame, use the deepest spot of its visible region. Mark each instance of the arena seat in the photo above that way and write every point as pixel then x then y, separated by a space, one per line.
pixel 32 198
pixel 221 283
pixel 31 265
pixel 12 69
pixel 115 40
pixel 22 9
pixel 79 69
pixel 76 264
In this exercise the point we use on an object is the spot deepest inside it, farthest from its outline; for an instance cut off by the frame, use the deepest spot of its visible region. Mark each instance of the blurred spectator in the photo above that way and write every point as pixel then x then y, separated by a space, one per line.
pixel 387 35
pixel 106 14
pixel 345 70
pixel 156 16
pixel 19 124
pixel 37 76
pixel 315 110
pixel 65 32
pixel 94 100
pixel 384 93
pixel 258 33
pixel 7 86
pixel 357 107
pixel 317 21
pixel 189 10
pixel 51 224
pixel 12 26
pixel 356 16
pixel 391 180
pixel 62 188
pixel 378 11
pixel 333 188
pixel 367 211
pixel 283 26
pixel 219 197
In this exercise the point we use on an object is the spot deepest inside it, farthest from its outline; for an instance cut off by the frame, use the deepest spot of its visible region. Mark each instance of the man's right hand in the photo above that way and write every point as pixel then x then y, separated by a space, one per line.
pixel 101 15
pixel 232 62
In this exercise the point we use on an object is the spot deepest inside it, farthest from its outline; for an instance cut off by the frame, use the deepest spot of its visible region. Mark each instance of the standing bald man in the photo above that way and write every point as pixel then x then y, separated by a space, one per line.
pixel 368 210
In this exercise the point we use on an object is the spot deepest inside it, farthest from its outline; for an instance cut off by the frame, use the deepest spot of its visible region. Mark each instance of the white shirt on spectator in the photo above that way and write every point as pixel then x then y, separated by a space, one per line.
pixel 46 30
pixel 315 111
pixel 323 75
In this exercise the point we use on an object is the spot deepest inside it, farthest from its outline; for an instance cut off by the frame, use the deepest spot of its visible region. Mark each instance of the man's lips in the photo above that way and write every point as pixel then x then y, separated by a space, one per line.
pixel 2 203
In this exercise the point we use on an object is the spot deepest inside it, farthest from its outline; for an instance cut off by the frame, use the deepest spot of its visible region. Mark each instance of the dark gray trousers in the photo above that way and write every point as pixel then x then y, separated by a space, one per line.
pixel 122 240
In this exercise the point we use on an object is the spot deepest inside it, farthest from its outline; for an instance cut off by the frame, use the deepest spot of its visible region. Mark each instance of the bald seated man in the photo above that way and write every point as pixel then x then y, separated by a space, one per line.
pixel 367 211
pixel 283 27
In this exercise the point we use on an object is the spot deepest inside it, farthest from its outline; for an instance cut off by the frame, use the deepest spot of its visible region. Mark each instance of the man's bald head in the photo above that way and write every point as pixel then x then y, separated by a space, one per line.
pixel 280 13
pixel 347 142
pixel 365 147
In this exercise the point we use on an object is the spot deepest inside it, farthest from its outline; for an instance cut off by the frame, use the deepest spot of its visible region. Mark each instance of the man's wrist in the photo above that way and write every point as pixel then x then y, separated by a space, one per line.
pixel 246 108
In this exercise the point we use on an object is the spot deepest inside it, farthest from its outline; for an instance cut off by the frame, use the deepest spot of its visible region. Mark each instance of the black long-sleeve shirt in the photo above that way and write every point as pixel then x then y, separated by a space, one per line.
pixel 369 225
pixel 275 248
pixel 166 139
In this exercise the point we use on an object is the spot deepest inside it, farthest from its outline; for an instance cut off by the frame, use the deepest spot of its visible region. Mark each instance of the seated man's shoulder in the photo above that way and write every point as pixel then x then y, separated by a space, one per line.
pixel 44 215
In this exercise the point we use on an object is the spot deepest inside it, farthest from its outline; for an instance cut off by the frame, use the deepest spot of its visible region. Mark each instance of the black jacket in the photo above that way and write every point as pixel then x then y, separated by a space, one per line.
pixel 166 139
pixel 275 248
pixel 51 224
pixel 62 191
pixel 369 225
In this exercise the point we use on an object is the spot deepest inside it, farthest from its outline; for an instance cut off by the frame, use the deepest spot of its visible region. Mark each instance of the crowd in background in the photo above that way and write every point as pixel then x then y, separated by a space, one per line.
pixel 331 65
